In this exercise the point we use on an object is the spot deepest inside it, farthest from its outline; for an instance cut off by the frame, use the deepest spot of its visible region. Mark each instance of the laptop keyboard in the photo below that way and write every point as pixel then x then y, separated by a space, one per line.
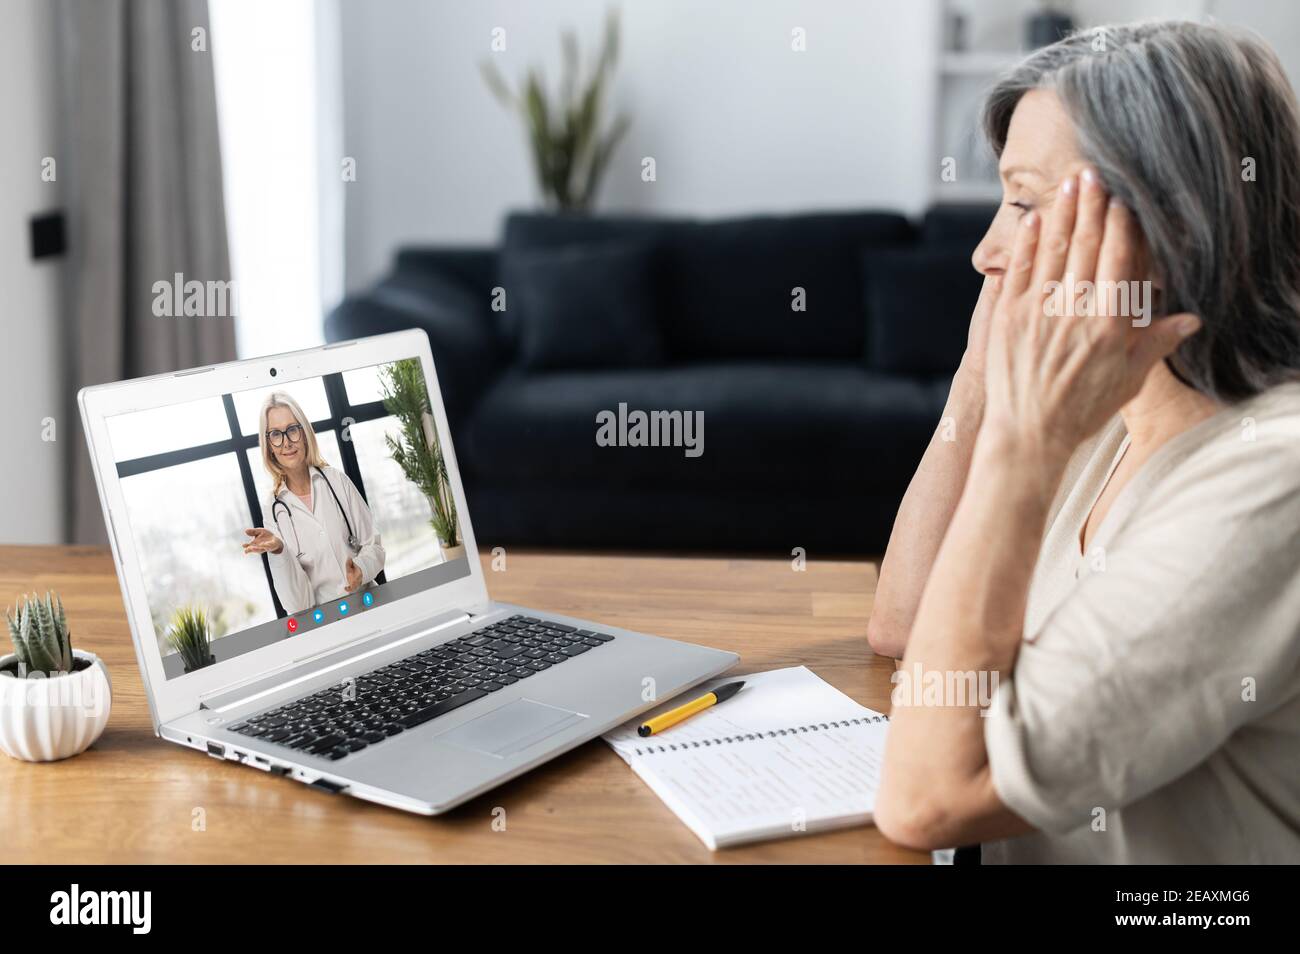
pixel 347 718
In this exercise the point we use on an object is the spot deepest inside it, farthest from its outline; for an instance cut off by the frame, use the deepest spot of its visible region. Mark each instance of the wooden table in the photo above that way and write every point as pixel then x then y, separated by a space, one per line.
pixel 133 798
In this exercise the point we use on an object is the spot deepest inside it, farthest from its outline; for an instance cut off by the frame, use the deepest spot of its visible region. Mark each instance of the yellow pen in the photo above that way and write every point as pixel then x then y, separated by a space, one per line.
pixel 674 716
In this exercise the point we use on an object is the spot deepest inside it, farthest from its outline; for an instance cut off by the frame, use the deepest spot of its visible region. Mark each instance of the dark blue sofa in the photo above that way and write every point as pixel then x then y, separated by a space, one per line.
pixel 814 419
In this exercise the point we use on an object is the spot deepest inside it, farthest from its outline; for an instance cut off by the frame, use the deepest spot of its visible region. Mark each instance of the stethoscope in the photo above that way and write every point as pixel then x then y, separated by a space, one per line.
pixel 353 544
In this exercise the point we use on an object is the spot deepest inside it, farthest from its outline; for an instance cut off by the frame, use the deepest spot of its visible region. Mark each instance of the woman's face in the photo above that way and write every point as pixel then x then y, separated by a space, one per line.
pixel 289 455
pixel 1040 152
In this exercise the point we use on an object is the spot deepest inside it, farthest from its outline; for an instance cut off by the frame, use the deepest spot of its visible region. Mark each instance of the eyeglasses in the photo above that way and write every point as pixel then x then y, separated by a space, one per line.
pixel 293 432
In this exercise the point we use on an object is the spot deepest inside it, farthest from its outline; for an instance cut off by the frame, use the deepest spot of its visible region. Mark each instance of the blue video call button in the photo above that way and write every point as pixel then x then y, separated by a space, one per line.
pixel 318 616
pixel 368 598
pixel 343 608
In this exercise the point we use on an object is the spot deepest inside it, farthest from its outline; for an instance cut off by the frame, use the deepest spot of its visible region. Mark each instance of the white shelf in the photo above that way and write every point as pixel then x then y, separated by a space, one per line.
pixel 977 63
pixel 967 192
pixel 961 80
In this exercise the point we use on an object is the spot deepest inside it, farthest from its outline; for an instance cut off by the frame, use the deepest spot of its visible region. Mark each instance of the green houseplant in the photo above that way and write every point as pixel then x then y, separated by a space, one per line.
pixel 190 635
pixel 55 700
pixel 418 451
pixel 569 152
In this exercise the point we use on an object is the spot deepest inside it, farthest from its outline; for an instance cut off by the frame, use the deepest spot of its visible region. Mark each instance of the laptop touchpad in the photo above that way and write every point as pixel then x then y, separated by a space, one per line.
pixel 511 728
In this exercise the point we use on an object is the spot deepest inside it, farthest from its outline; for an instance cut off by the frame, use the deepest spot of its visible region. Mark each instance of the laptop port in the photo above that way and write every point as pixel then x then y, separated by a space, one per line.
pixel 325 785
pixel 217 750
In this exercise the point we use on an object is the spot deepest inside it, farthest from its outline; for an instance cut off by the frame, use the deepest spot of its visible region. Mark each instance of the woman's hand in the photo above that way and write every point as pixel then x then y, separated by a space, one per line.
pixel 354 576
pixel 1059 367
pixel 977 337
pixel 264 541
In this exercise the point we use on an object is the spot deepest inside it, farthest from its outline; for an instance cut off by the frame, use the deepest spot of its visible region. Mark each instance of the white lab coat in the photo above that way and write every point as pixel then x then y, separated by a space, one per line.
pixel 312 567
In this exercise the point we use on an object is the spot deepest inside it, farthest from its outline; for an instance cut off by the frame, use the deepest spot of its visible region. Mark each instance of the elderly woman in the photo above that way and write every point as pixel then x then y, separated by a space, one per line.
pixel 1112 529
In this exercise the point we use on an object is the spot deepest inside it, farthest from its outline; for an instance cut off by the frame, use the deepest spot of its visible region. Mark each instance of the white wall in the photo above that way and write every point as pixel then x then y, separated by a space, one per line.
pixel 736 121
pixel 31 469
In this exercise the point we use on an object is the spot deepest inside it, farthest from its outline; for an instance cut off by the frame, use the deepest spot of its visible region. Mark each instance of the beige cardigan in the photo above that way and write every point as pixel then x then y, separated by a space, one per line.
pixel 1154 711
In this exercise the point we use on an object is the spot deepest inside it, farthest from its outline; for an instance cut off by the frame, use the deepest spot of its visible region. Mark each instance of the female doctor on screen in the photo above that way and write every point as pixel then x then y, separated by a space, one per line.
pixel 316 529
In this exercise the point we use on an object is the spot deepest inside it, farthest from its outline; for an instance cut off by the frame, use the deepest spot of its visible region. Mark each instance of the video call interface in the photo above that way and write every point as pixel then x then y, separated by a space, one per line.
pixel 266 514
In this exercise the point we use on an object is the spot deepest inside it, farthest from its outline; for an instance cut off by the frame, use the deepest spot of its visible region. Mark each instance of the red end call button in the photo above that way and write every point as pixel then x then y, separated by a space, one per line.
pixel 292 624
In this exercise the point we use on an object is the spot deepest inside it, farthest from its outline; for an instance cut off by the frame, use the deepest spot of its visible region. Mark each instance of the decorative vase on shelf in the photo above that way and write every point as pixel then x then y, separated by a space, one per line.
pixel 954 32
pixel 1047 26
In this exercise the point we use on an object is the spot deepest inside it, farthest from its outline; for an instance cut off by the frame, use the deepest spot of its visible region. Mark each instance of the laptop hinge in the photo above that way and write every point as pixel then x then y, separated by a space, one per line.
pixel 313 665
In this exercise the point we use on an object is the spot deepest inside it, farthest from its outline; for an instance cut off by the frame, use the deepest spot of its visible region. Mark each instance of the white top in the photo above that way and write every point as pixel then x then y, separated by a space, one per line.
pixel 312 567
pixel 1154 711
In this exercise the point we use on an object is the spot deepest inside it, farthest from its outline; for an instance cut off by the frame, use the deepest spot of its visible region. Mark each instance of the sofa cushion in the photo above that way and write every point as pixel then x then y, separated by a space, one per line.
pixel 918 305
pixel 784 426
pixel 728 286
pixel 734 285
pixel 464 339
pixel 429 294
pixel 475 267
pixel 583 306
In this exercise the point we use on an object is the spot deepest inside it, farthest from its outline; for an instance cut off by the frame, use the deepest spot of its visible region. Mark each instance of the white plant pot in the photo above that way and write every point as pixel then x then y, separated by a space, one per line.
pixel 53 717
pixel 452 553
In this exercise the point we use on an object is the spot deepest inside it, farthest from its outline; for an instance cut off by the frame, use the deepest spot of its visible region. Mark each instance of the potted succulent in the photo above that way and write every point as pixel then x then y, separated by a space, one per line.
pixel 54 700
pixel 419 452
pixel 190 635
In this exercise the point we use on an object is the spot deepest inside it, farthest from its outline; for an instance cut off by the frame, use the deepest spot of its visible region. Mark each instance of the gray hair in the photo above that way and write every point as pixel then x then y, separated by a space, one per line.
pixel 1173 115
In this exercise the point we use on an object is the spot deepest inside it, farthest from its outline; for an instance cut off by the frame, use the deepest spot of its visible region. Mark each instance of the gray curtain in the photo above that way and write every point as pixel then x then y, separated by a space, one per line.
pixel 141 163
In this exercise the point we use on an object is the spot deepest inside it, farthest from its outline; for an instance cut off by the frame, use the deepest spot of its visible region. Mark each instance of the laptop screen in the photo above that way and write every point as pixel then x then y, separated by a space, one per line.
pixel 266 514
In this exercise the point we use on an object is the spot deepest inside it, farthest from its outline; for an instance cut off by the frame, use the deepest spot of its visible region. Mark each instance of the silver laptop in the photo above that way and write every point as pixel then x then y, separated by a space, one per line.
pixel 305 592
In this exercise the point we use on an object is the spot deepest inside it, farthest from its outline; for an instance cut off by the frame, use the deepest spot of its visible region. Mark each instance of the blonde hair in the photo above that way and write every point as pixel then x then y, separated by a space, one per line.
pixel 314 459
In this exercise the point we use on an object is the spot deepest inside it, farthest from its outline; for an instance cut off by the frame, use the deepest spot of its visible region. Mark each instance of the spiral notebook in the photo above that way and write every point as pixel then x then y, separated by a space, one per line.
pixel 788 754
